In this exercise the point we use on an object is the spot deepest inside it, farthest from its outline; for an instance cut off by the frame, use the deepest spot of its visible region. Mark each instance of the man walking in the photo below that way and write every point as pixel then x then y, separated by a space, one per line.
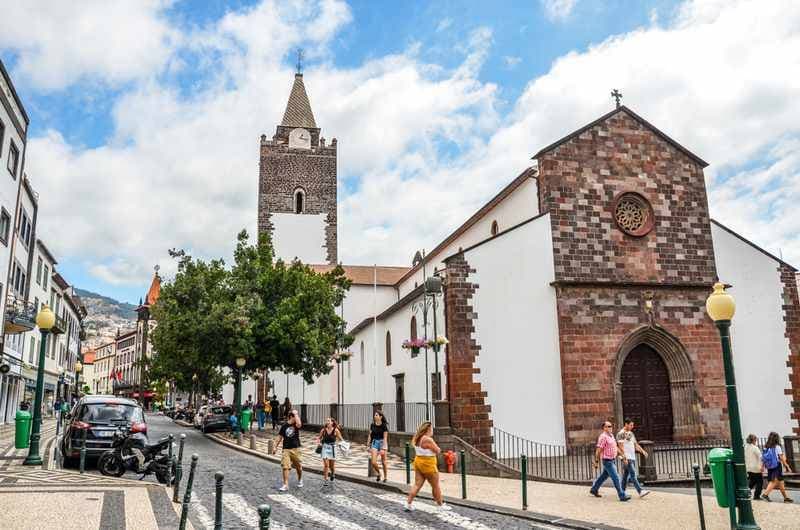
pixel 629 447
pixel 274 410
pixel 289 436
pixel 607 451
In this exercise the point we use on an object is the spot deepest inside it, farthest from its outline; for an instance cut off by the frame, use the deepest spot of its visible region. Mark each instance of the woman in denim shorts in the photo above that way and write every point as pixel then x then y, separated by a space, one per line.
pixel 328 437
pixel 378 443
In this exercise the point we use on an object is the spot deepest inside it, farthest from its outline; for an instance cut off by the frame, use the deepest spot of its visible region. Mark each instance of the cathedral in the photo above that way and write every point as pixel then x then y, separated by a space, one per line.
pixel 576 294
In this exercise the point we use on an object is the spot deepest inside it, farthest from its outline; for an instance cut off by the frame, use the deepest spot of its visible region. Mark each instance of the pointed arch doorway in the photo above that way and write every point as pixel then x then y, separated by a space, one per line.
pixel 646 394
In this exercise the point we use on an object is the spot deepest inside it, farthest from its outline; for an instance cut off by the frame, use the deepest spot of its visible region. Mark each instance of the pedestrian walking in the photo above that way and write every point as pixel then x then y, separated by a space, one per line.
pixel 57 408
pixel 754 466
pixel 425 465
pixel 289 439
pixel 775 462
pixel 261 415
pixel 286 408
pixel 326 445
pixel 378 443
pixel 606 452
pixel 629 447
pixel 274 406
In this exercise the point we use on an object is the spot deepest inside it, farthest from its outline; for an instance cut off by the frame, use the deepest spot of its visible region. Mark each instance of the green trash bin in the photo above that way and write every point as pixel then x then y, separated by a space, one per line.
pixel 22 434
pixel 246 415
pixel 718 462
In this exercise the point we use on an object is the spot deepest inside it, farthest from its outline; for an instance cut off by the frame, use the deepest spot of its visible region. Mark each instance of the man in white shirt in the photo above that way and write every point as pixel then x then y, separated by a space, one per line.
pixel 629 447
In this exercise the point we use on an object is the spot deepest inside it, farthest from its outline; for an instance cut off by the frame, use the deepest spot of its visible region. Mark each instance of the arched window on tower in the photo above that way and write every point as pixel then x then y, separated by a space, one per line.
pixel 388 348
pixel 495 228
pixel 299 200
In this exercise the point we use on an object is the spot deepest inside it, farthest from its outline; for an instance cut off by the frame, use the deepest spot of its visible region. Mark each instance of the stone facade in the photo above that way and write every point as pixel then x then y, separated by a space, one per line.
pixel 605 276
pixel 469 412
pixel 283 170
pixel 791 311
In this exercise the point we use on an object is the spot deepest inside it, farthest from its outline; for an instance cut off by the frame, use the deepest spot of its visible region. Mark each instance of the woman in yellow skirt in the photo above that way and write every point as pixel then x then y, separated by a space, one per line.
pixel 425 466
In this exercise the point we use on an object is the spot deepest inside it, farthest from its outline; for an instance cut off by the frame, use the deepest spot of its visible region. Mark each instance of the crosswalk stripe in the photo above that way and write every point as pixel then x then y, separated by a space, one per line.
pixel 387 518
pixel 240 508
pixel 315 514
pixel 449 517
pixel 201 513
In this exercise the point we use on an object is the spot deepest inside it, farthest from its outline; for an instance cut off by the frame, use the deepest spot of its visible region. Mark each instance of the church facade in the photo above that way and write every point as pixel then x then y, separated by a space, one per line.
pixel 575 295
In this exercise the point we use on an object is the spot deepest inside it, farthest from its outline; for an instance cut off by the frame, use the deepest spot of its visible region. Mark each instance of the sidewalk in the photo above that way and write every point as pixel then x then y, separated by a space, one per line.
pixel 43 497
pixel 660 510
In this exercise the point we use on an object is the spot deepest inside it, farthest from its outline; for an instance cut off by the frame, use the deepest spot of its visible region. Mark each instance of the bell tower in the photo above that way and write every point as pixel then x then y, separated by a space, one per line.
pixel 297 185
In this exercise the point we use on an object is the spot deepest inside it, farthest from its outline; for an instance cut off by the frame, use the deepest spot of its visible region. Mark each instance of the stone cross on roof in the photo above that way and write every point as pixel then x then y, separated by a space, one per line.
pixel 617 95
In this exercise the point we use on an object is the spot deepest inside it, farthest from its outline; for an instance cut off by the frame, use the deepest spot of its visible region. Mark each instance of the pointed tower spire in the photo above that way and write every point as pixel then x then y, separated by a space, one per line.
pixel 298 109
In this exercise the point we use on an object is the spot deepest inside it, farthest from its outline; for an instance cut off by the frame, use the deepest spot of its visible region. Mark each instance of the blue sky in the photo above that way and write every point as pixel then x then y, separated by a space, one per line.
pixel 145 118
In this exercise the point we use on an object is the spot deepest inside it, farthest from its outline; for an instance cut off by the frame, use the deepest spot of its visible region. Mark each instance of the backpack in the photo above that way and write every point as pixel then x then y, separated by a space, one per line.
pixel 770 458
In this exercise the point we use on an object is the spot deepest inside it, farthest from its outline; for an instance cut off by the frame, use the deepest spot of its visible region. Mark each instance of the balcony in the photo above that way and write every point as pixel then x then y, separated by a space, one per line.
pixel 59 327
pixel 20 316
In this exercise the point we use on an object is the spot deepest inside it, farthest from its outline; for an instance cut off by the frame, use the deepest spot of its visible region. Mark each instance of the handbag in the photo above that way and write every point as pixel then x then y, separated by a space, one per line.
pixel 318 450
pixel 345 447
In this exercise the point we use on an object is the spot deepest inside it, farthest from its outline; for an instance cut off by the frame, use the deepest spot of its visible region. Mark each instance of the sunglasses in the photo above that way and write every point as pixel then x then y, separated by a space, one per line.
pixel 607 426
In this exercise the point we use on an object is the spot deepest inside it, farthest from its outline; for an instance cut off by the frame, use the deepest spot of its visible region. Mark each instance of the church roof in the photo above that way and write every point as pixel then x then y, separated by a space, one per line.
pixel 636 117
pixel 298 108
pixel 367 274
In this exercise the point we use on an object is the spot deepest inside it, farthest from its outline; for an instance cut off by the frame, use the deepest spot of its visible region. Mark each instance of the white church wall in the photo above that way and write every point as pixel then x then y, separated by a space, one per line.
pixel 364 301
pixel 760 349
pixel 299 236
pixel 521 204
pixel 517 330
pixel 228 390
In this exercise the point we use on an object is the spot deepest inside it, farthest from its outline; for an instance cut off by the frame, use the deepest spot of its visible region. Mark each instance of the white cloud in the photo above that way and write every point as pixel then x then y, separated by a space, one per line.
pixel 511 61
pixel 557 9
pixel 444 24
pixel 60 43
pixel 420 147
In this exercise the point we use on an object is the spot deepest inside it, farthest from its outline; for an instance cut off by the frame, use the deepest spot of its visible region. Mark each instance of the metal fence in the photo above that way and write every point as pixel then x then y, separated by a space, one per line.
pixel 401 417
pixel 671 460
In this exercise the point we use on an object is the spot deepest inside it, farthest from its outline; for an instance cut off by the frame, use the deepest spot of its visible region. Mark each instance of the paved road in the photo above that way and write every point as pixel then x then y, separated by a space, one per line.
pixel 250 481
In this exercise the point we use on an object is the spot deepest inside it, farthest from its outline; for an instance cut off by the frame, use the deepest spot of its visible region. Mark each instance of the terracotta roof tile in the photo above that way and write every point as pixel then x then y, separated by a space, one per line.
pixel 154 292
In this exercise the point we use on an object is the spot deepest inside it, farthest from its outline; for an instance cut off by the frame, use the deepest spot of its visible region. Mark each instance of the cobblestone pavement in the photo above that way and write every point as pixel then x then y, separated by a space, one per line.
pixel 250 481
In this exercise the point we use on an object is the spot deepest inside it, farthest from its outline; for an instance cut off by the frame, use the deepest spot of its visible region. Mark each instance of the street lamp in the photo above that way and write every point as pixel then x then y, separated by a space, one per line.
pixel 194 389
pixel 45 320
pixel 721 307
pixel 240 362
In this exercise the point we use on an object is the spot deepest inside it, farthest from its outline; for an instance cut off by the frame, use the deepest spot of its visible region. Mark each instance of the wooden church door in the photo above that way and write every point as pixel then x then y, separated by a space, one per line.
pixel 646 397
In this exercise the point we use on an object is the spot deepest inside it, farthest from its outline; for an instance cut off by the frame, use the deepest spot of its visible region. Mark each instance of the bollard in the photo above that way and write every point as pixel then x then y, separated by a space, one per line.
pixel 218 477
pixel 263 516
pixel 271 446
pixel 524 481
pixel 408 463
pixel 252 441
pixel 169 471
pixel 187 496
pixel 239 437
pixel 463 475
pixel 178 470
pixel 83 451
pixel 696 470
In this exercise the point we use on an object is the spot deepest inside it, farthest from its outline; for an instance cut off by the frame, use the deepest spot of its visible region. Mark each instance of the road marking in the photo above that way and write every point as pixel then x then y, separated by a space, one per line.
pixel 196 507
pixel 315 514
pixel 449 517
pixel 387 518
pixel 247 514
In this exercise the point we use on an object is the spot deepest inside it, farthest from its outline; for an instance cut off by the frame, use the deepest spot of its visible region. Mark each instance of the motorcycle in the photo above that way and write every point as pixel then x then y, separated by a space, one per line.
pixel 121 457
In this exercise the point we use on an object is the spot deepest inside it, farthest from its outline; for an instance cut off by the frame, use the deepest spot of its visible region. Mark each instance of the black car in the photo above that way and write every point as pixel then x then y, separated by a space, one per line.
pixel 216 417
pixel 98 417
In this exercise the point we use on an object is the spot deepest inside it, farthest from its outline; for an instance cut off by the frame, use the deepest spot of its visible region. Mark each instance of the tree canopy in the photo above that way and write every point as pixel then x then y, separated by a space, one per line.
pixel 277 316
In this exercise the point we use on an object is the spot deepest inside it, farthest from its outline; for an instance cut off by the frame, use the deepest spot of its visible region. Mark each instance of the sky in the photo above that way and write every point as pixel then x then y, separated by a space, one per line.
pixel 146 116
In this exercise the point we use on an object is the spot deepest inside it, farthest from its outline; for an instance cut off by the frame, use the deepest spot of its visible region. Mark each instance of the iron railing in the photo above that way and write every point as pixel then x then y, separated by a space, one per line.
pixel 401 417
pixel 20 315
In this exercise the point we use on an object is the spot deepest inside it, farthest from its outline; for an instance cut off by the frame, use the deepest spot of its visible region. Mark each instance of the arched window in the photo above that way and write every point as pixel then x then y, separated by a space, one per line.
pixel 388 348
pixel 495 228
pixel 299 200
pixel 363 362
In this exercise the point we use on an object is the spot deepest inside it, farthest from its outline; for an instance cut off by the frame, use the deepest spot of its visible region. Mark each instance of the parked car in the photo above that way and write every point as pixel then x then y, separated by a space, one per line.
pixel 198 418
pixel 98 417
pixel 216 418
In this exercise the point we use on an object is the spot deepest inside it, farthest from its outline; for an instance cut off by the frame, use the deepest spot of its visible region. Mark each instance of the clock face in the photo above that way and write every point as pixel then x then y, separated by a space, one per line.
pixel 300 139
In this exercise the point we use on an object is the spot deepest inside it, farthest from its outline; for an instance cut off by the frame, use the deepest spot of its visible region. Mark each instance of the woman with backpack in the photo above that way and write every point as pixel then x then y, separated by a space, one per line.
pixel 326 443
pixel 775 462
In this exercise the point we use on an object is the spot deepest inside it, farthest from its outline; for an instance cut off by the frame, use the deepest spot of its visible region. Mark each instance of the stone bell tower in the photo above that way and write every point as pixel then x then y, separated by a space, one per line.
pixel 297 185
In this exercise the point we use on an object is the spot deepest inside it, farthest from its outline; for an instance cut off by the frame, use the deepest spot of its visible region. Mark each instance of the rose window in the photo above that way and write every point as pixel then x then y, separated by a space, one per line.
pixel 633 214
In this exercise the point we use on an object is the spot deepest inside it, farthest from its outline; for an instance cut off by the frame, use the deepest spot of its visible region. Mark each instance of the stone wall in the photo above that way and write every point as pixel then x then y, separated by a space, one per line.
pixel 791 309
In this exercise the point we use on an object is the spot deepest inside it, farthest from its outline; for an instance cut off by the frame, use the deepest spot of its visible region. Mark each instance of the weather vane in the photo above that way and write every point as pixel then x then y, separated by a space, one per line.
pixel 157 268
pixel 617 95
pixel 300 56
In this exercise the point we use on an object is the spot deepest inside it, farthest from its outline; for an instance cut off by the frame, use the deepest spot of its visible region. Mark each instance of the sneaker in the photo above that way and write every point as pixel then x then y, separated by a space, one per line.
pixel 409 507
pixel 300 484
pixel 378 478
pixel 332 477
pixel 384 480
pixel 625 499
pixel 766 497
pixel 592 492
pixel 445 507
pixel 284 488
pixel 644 493
pixel 788 499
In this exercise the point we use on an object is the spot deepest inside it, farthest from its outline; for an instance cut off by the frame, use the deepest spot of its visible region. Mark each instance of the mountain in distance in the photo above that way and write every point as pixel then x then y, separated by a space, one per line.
pixel 105 317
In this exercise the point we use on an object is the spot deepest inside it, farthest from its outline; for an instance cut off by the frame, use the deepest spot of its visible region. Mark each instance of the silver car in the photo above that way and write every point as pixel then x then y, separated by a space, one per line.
pixel 198 418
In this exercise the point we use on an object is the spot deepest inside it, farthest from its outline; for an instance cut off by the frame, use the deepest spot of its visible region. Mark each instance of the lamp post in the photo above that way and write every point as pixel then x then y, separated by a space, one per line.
pixel 45 320
pixel 194 389
pixel 721 307
pixel 433 287
pixel 78 370
pixel 240 362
